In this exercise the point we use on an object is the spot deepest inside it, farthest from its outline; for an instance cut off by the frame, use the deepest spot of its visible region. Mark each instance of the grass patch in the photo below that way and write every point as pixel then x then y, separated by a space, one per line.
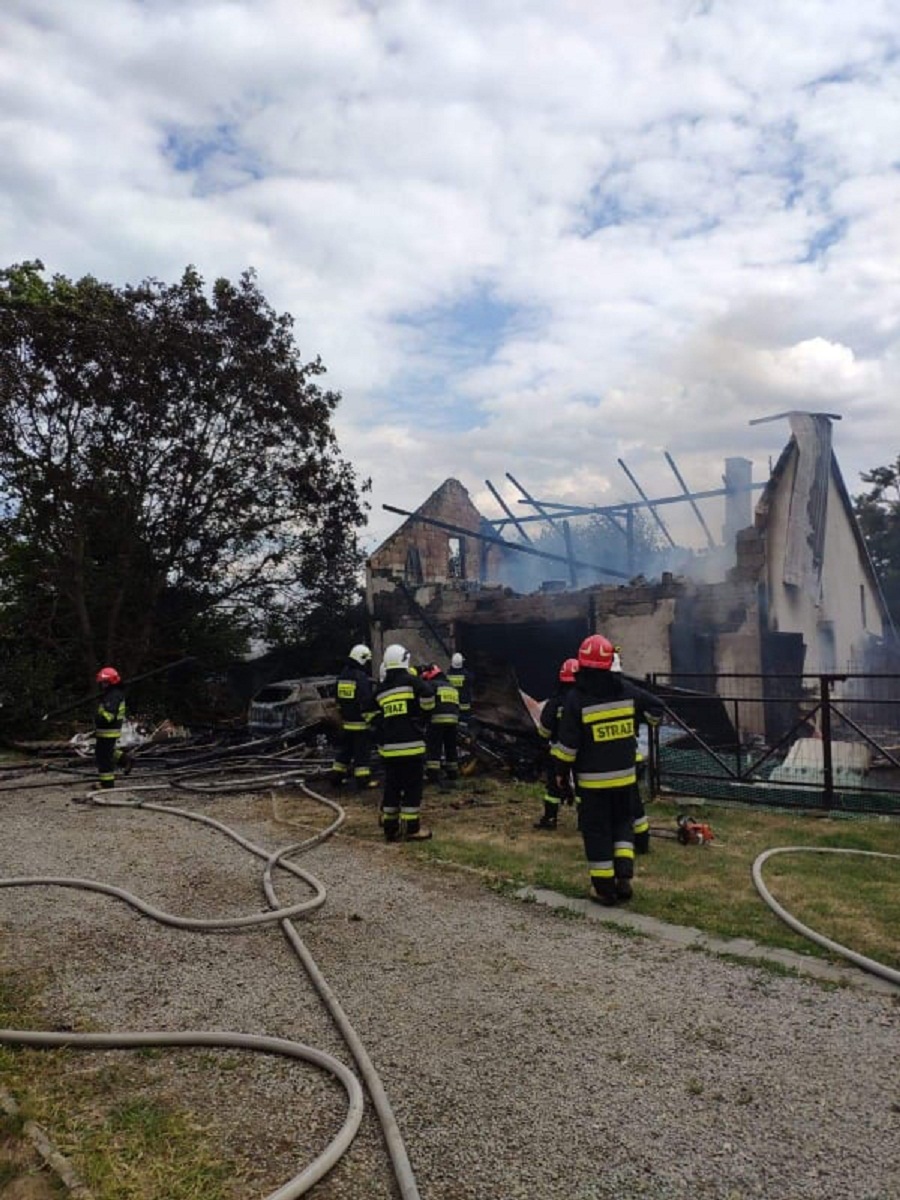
pixel 125 1142
pixel 486 826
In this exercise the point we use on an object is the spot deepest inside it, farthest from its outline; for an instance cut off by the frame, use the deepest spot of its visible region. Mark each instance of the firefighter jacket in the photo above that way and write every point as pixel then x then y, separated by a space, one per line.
pixel 404 704
pixel 551 711
pixel 461 679
pixel 446 702
pixel 355 697
pixel 596 734
pixel 110 712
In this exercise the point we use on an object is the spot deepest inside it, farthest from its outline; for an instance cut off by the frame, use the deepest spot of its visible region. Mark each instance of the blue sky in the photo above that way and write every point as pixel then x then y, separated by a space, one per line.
pixel 530 236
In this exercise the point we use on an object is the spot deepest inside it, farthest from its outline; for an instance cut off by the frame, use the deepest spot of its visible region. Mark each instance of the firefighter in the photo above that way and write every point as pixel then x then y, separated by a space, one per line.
pixel 441 736
pixel 461 679
pixel 596 739
pixel 356 702
pixel 404 702
pixel 108 718
pixel 556 788
pixel 640 822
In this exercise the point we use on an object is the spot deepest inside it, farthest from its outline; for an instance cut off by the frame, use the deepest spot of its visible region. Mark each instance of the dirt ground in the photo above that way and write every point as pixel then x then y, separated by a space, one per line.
pixel 23 1173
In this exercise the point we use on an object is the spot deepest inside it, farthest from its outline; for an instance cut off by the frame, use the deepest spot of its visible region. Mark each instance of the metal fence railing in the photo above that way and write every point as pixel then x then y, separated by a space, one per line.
pixel 828 742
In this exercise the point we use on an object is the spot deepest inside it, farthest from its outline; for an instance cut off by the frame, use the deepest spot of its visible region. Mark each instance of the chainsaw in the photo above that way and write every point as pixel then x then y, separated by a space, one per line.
pixel 692 832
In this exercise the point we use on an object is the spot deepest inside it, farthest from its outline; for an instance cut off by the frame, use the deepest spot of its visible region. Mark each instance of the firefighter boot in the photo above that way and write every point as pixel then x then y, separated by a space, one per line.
pixel 623 890
pixel 413 832
pixel 604 892
pixel 549 818
pixel 390 827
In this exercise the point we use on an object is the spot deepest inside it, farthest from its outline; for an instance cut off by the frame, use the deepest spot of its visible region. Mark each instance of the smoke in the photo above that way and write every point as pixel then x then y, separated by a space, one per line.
pixel 604 543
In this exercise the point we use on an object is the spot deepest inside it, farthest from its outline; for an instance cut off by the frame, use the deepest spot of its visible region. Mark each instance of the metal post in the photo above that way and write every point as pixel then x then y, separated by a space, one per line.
pixel 737 738
pixel 825 682
pixel 653 772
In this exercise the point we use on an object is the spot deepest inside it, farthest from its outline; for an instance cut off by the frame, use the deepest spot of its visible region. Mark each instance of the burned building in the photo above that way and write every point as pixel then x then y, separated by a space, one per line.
pixel 797 593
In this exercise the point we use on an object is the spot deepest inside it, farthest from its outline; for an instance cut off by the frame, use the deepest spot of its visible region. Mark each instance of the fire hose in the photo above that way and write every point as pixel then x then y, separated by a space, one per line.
pixel 279 859
pixel 867 964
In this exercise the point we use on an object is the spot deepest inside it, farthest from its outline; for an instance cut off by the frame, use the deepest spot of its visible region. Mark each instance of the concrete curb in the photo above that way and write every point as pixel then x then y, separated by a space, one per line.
pixel 687 937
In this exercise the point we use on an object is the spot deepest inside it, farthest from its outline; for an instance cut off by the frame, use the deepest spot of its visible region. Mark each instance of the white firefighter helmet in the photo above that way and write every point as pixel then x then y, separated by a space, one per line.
pixel 395 656
pixel 456 661
pixel 361 654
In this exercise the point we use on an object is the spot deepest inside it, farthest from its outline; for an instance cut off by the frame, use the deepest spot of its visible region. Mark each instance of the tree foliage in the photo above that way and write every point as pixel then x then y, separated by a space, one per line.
pixel 878 513
pixel 169 474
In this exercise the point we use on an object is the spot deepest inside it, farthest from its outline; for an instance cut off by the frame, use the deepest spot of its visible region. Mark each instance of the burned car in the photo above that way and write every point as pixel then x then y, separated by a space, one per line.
pixel 290 704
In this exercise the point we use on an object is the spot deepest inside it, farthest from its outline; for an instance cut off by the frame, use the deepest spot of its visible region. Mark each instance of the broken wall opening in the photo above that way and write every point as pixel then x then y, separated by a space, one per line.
pixel 534 649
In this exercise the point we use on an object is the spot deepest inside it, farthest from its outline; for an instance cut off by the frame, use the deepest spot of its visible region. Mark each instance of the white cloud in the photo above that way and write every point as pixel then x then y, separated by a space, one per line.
pixel 523 235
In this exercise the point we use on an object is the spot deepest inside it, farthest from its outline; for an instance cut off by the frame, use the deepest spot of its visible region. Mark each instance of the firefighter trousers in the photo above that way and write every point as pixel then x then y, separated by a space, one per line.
pixel 401 800
pixel 106 755
pixel 441 747
pixel 640 822
pixel 605 821
pixel 354 750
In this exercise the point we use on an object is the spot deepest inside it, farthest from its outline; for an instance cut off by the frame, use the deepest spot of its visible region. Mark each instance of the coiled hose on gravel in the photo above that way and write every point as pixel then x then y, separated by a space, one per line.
pixel 867 964
pixel 276 774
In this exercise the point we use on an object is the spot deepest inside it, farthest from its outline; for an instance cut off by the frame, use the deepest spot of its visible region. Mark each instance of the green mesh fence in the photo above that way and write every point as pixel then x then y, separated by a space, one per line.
pixel 693 771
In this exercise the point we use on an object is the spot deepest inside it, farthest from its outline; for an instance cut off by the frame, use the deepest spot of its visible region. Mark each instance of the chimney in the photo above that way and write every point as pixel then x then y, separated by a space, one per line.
pixel 738 499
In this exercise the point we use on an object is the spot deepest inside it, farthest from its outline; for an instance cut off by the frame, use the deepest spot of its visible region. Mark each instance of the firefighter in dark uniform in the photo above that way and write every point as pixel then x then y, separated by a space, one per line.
pixel 596 739
pixel 461 679
pixel 640 822
pixel 108 718
pixel 404 703
pixel 441 736
pixel 356 702
pixel 557 786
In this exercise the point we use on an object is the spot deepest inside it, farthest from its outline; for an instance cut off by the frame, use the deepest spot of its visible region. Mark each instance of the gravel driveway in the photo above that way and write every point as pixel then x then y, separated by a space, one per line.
pixel 525 1053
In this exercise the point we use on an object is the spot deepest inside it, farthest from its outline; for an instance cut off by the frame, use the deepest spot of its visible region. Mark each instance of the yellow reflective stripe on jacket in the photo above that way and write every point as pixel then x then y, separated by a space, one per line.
pixel 607 779
pixel 563 753
pixel 612 721
pixel 107 733
pixel 607 711
pixel 407 750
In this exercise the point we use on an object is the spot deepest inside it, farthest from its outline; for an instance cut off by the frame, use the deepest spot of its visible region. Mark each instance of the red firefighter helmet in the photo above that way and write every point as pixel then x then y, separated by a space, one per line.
pixel 596 653
pixel 430 671
pixel 108 675
pixel 567 670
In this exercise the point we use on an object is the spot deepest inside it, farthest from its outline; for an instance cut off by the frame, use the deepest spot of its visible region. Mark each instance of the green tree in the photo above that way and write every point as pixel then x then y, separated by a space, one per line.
pixel 878 513
pixel 169 474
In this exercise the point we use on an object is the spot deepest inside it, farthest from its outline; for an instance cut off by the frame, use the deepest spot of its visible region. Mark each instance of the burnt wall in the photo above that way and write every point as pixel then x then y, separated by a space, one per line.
pixel 671 626
pixel 420 553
